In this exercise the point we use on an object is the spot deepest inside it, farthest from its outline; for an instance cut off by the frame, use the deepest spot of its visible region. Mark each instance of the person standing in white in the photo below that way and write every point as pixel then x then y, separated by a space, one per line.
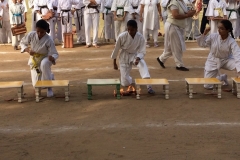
pixel 42 7
pixel 5 30
pixel 34 16
pixel 149 13
pixel 16 12
pixel 58 35
pixel 224 52
pixel 120 9
pixel 108 18
pixel 91 20
pixel 216 11
pixel 135 6
pixel 232 6
pixel 78 14
pixel 65 15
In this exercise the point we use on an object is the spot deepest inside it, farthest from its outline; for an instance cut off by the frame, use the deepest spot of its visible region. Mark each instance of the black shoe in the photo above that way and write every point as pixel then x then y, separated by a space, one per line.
pixel 182 69
pixel 161 63
pixel 189 38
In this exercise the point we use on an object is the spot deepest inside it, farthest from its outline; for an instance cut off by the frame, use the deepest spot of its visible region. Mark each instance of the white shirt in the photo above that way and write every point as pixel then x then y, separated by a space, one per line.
pixel 130 48
pixel 92 10
pixel 23 2
pixel 38 3
pixel 106 3
pixel 135 3
pixel 16 13
pixel 66 5
pixel 232 4
pixel 215 4
pixel 120 3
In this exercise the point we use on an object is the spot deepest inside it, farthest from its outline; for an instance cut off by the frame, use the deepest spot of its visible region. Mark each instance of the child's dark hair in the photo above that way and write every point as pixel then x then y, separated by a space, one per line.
pixel 43 25
pixel 132 23
pixel 228 26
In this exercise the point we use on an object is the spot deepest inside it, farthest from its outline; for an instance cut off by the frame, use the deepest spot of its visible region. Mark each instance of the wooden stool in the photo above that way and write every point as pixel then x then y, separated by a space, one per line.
pixel 192 81
pixel 14 84
pixel 103 82
pixel 163 82
pixel 54 83
pixel 236 86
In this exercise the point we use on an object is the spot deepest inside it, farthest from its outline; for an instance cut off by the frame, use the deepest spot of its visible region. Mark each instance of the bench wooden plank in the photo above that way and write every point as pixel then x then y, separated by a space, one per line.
pixel 236 86
pixel 163 82
pixel 203 81
pixel 151 81
pixel 53 83
pixel 13 84
pixel 103 81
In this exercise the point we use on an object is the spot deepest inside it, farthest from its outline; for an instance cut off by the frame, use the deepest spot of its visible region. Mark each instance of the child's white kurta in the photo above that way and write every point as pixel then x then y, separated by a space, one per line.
pixel 135 6
pixel 120 26
pixel 213 11
pixel 130 49
pixel 5 31
pixel 109 27
pixel 46 47
pixel 223 54
pixel 151 18
pixel 16 12
pixel 91 20
pixel 79 21
pixel 232 7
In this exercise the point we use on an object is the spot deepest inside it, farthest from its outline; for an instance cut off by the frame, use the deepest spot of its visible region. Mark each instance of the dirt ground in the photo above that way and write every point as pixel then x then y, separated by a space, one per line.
pixel 203 128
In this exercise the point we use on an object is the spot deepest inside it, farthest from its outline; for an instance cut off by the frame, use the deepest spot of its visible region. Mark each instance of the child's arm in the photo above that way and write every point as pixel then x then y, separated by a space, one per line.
pixel 115 53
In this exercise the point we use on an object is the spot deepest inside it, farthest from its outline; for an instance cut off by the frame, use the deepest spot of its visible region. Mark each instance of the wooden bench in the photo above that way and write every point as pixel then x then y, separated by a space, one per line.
pixel 164 82
pixel 14 84
pixel 236 86
pixel 193 81
pixel 103 82
pixel 52 84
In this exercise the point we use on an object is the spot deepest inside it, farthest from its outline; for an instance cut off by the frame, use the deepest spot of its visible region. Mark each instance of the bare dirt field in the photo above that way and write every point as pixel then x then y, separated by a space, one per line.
pixel 202 128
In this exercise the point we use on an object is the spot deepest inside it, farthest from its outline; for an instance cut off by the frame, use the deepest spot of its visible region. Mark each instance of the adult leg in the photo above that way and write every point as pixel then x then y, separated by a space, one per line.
pixel 95 24
pixel 4 31
pixel 213 25
pixel 88 26
pixel 196 31
pixel 78 29
pixel 140 24
pixel 125 70
pixel 8 31
pixel 64 26
pixel 234 25
pixel 204 21
pixel 117 28
pixel 188 29
pixel 107 26
pixel 112 27
pixel 59 31
pixel 155 37
pixel 52 23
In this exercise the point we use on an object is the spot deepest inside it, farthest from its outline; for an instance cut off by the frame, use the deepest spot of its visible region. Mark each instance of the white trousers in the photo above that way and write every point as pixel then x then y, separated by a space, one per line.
pixel 66 27
pixel 214 27
pixel 173 45
pixel 228 64
pixel 192 28
pixel 109 27
pixel 234 25
pixel 120 26
pixel 5 32
pixel 80 29
pixel 33 25
pixel 46 73
pixel 91 21
pixel 58 34
pixel 125 70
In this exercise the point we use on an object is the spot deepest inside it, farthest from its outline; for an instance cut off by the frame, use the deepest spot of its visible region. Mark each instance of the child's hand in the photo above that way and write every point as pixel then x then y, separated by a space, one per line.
pixel 206 31
pixel 137 61
pixel 50 58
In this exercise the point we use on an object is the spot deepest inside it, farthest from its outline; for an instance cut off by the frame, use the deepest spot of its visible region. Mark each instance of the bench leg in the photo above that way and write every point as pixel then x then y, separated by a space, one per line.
pixel 67 93
pixel 89 92
pixel 187 88
pixel 20 90
pixel 138 92
pixel 238 90
pixel 118 91
pixel 166 91
pixel 219 89
pixel 233 87
pixel 37 94
pixel 190 91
